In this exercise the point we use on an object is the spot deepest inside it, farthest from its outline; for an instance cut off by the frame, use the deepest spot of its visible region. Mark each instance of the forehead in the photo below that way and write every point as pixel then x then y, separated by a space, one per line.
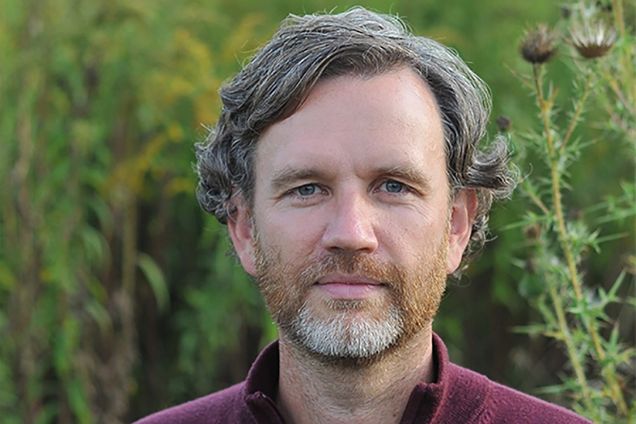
pixel 381 120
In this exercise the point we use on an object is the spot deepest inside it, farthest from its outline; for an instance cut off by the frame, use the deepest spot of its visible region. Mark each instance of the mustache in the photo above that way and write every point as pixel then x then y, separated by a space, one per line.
pixel 352 264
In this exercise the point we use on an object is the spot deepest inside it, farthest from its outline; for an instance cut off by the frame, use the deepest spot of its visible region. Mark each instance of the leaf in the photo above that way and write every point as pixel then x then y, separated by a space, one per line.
pixel 555 389
pixel 7 278
pixel 77 400
pixel 531 329
pixel 94 244
pixel 155 278
pixel 46 415
pixel 97 311
pixel 611 295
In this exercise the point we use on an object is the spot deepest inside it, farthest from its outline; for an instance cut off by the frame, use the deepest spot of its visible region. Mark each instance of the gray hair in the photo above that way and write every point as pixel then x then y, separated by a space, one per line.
pixel 308 49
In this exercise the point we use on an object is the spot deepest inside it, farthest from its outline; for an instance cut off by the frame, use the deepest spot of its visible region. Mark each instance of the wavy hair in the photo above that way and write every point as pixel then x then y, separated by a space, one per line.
pixel 308 49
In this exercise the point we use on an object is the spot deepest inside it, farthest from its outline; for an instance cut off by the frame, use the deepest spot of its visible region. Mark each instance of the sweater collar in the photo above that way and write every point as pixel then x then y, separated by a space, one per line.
pixel 427 398
pixel 263 375
pixel 261 386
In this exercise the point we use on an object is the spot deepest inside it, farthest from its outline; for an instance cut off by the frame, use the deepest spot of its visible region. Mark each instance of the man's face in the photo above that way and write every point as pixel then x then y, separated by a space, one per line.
pixel 353 231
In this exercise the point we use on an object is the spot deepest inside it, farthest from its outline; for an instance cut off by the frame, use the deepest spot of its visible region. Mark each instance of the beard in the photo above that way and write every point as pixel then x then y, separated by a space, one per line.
pixel 352 330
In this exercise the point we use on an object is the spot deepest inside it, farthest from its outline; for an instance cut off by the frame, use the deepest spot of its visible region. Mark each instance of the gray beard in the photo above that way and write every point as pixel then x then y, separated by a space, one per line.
pixel 344 337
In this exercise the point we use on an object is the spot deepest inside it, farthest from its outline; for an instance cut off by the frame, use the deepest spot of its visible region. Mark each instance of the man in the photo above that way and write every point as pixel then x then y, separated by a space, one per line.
pixel 345 164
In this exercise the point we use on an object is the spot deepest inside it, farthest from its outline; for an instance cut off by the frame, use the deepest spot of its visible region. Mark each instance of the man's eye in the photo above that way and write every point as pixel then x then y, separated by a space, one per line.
pixel 392 186
pixel 307 190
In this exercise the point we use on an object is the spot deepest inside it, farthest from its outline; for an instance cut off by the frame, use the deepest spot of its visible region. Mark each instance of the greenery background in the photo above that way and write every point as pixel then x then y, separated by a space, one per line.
pixel 117 296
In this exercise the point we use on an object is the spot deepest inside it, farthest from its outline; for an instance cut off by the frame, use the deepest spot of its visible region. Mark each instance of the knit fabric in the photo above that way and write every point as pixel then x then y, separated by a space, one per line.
pixel 457 395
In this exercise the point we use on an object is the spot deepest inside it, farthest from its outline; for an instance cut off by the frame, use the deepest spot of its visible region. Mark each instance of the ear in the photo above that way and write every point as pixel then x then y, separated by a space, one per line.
pixel 239 226
pixel 462 215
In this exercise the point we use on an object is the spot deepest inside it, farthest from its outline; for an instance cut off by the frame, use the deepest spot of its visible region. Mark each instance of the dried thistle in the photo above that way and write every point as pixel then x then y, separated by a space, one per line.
pixel 503 123
pixel 592 40
pixel 532 232
pixel 539 45
pixel 566 12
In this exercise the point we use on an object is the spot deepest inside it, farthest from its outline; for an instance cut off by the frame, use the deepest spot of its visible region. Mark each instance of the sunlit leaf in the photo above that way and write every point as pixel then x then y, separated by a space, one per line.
pixel 155 278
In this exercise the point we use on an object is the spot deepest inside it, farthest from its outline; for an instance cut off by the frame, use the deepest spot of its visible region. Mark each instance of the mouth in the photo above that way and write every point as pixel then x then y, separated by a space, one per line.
pixel 347 287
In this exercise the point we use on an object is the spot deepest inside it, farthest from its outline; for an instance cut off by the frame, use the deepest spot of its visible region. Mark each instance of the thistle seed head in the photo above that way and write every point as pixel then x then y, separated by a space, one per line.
pixel 592 40
pixel 566 12
pixel 539 45
pixel 503 123
pixel 532 232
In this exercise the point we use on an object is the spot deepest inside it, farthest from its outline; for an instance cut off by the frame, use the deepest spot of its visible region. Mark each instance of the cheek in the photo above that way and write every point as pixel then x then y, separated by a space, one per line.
pixel 292 234
pixel 416 238
pixel 422 226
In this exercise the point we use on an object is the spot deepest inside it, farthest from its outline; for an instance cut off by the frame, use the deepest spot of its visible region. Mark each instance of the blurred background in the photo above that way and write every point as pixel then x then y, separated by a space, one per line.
pixel 117 295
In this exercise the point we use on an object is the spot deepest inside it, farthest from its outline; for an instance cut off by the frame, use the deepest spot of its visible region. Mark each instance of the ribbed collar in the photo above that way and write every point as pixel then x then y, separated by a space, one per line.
pixel 424 405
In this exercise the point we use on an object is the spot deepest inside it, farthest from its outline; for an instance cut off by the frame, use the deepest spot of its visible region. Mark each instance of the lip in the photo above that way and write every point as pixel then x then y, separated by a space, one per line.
pixel 340 286
pixel 347 279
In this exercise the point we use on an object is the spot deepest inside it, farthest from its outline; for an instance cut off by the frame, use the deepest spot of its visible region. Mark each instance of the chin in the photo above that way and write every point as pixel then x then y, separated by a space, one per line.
pixel 347 333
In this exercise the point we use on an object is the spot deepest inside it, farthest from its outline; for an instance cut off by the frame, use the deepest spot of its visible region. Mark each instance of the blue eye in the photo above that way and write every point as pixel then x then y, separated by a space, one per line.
pixel 306 190
pixel 392 186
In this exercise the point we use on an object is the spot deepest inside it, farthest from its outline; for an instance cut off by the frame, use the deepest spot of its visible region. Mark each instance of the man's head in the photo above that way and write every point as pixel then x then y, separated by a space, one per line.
pixel 345 162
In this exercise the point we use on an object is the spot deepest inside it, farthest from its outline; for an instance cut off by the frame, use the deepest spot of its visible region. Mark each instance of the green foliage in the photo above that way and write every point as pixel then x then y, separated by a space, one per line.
pixel 117 295
pixel 155 278
pixel 576 314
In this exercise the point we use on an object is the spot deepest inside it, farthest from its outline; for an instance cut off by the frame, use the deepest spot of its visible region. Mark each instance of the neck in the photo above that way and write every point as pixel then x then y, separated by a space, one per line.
pixel 315 391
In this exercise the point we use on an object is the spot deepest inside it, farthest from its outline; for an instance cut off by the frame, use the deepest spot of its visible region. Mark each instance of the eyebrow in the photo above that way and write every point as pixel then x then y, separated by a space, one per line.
pixel 408 173
pixel 287 176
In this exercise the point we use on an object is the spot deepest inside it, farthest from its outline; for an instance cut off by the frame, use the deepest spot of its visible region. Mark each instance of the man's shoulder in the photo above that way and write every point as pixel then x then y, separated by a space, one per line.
pixel 504 404
pixel 521 407
pixel 224 406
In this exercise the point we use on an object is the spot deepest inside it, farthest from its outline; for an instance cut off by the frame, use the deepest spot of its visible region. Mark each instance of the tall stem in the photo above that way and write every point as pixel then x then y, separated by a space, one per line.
pixel 571 347
pixel 626 62
pixel 545 106
pixel 617 8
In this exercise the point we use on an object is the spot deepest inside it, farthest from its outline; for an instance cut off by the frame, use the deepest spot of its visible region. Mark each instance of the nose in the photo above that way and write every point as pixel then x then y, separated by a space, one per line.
pixel 351 226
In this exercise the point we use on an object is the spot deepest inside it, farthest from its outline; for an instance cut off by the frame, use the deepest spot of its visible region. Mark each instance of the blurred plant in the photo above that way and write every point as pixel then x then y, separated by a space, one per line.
pixel 116 295
pixel 97 99
pixel 576 313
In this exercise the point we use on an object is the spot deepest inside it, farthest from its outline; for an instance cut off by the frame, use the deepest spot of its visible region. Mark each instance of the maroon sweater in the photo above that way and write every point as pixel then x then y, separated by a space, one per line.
pixel 457 396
